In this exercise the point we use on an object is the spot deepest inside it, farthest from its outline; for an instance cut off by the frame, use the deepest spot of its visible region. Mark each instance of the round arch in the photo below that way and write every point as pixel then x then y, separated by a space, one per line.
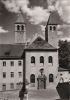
pixel 32 78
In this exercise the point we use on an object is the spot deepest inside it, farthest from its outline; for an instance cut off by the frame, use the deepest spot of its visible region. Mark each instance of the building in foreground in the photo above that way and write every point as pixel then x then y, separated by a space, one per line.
pixel 38 61
pixel 41 56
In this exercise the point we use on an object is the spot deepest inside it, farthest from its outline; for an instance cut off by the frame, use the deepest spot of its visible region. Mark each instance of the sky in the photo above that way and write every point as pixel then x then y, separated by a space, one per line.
pixel 36 14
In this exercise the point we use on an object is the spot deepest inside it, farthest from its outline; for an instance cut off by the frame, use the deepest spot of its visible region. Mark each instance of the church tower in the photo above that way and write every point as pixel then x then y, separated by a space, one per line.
pixel 20 29
pixel 51 35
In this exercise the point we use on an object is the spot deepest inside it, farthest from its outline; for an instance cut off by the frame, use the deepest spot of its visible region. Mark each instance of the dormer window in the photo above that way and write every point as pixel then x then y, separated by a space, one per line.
pixel 7 53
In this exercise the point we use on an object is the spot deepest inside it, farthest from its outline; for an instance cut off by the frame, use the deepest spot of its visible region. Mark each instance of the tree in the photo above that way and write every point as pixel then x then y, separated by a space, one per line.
pixel 63 54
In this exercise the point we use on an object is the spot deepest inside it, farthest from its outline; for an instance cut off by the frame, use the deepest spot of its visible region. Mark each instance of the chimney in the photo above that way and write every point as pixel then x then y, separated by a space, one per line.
pixel 46 33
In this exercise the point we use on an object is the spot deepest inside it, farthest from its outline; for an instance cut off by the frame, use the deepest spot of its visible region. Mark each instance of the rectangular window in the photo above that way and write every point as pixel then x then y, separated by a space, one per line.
pixel 12 85
pixel 4 74
pixel 4 87
pixel 20 74
pixel 12 74
pixel 4 63
pixel 12 63
pixel 19 63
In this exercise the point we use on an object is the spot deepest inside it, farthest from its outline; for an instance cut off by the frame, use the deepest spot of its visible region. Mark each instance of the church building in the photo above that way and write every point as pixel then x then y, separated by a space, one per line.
pixel 37 62
pixel 41 57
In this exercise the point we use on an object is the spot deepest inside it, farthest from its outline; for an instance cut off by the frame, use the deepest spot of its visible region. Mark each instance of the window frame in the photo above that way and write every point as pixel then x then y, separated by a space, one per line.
pixel 4 63
pixel 50 59
pixel 33 59
pixel 4 86
pixel 51 79
pixel 11 63
pixel 22 27
pixel 20 74
pixel 19 63
pixel 12 74
pixel 32 78
pixel 12 85
pixel 4 74
pixel 41 59
pixel 54 28
pixel 51 28
pixel 18 27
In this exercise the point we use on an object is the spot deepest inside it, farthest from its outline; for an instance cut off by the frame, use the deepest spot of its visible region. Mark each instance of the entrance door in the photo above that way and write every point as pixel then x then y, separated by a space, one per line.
pixel 41 83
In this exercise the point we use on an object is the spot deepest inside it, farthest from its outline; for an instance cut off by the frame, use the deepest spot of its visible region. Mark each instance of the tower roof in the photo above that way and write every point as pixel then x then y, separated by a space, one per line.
pixel 20 18
pixel 55 18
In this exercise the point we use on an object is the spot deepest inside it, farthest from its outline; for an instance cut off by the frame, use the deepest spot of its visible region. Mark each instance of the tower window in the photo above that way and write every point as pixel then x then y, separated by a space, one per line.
pixel 22 27
pixel 32 78
pixel 41 59
pixel 18 27
pixel 50 59
pixel 32 59
pixel 50 27
pixel 54 28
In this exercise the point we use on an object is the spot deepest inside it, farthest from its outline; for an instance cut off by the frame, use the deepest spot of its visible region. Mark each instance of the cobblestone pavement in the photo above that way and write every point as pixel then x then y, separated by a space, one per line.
pixel 9 95
pixel 48 94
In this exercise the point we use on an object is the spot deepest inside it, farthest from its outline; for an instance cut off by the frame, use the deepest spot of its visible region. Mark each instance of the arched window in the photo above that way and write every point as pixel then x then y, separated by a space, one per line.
pixel 32 59
pixel 32 78
pixel 22 27
pixel 18 27
pixel 54 28
pixel 50 59
pixel 51 78
pixel 50 27
pixel 41 59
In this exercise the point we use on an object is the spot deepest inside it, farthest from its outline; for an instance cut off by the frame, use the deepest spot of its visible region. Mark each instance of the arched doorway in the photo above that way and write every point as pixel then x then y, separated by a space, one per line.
pixel 41 80
pixel 51 78
pixel 32 78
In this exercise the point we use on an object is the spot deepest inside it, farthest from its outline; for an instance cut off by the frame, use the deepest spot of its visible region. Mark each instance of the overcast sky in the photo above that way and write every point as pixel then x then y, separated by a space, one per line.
pixel 36 14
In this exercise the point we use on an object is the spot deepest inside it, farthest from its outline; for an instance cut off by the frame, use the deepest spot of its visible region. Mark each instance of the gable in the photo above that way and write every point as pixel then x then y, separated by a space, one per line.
pixel 40 44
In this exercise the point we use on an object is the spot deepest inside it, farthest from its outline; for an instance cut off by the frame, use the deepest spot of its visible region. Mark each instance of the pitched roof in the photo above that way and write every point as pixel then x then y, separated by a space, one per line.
pixel 55 18
pixel 11 51
pixel 40 44
pixel 20 18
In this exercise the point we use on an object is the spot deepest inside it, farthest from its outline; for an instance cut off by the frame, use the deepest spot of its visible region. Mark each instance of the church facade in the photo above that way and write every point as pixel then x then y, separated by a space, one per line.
pixel 41 60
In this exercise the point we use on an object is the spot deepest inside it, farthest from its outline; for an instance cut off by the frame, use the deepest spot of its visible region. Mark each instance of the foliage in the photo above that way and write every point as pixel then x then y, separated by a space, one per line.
pixel 63 54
